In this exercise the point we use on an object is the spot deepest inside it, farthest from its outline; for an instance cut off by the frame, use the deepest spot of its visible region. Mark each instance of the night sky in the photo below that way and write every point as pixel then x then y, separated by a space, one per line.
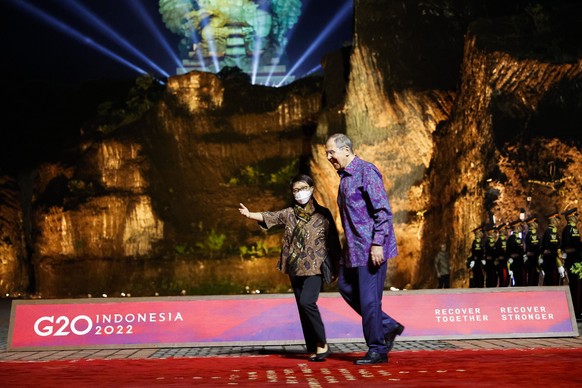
pixel 35 49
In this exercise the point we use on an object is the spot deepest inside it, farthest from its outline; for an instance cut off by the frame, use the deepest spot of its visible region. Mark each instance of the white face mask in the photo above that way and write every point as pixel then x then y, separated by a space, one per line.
pixel 303 196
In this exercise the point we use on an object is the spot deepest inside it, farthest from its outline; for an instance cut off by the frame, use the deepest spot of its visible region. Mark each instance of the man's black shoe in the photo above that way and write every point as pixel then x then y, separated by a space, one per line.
pixel 390 337
pixel 372 358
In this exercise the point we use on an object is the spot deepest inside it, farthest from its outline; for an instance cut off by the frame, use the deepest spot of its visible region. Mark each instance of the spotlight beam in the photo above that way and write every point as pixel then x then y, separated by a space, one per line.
pixel 214 53
pixel 306 4
pixel 113 35
pixel 343 12
pixel 313 70
pixel 199 53
pixel 283 49
pixel 139 8
pixel 256 57
pixel 71 32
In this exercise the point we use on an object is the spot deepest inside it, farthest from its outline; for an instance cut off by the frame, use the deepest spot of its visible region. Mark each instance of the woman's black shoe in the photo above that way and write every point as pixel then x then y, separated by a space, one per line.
pixel 318 357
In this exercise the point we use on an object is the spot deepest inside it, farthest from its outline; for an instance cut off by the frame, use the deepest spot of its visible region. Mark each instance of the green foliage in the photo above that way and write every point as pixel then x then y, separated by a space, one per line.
pixel 577 269
pixel 181 249
pixel 141 98
pixel 259 249
pixel 284 175
pixel 253 176
pixel 212 244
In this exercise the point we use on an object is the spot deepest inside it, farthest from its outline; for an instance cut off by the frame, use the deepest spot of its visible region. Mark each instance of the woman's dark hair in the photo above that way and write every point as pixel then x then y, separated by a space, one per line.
pixel 301 178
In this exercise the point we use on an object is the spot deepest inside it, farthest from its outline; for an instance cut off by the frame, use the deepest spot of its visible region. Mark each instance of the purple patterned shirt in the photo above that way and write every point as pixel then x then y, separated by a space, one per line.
pixel 365 213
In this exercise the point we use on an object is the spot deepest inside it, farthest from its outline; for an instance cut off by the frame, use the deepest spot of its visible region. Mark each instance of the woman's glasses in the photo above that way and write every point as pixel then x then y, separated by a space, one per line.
pixel 304 188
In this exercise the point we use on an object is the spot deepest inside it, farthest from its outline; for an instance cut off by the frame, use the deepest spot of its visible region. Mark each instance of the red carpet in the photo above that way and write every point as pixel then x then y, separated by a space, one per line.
pixel 449 368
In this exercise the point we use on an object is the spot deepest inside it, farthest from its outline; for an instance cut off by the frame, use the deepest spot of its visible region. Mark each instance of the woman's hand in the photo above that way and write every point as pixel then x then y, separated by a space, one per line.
pixel 244 211
pixel 253 216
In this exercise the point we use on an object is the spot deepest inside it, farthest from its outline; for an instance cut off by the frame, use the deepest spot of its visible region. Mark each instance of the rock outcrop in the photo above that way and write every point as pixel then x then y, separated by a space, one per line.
pixel 136 203
pixel 495 154
pixel 442 152
pixel 14 271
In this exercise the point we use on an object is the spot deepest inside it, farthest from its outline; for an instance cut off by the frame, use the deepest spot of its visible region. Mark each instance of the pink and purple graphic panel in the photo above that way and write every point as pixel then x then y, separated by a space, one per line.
pixel 273 319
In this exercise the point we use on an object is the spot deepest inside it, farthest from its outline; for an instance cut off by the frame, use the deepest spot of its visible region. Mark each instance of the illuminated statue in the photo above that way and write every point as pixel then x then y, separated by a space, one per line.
pixel 232 31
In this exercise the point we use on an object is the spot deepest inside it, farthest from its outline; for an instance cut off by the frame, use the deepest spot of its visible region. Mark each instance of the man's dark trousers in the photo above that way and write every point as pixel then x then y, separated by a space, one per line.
pixel 362 289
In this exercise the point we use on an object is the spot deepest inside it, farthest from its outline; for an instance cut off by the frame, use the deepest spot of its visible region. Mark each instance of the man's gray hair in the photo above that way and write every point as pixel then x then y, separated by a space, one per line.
pixel 341 140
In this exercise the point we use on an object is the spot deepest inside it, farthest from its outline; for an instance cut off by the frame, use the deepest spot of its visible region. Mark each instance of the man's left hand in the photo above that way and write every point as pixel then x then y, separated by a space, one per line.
pixel 377 254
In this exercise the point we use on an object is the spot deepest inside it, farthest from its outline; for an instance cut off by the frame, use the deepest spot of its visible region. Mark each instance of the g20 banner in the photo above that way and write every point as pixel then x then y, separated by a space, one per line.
pixel 273 319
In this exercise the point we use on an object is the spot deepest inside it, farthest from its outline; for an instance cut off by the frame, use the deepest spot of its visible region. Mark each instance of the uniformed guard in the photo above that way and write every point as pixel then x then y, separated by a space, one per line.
pixel 551 268
pixel 501 255
pixel 490 258
pixel 532 252
pixel 515 252
pixel 476 261
pixel 571 254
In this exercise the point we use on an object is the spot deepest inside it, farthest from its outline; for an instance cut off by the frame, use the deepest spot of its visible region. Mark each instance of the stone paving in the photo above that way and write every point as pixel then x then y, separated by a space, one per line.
pixel 237 351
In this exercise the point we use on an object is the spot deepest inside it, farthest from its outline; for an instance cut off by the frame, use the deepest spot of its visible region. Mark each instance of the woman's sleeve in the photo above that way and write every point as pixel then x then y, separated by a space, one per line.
pixel 275 218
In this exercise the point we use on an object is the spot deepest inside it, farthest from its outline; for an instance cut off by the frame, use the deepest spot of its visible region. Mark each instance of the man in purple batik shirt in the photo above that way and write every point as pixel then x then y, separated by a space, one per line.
pixel 367 221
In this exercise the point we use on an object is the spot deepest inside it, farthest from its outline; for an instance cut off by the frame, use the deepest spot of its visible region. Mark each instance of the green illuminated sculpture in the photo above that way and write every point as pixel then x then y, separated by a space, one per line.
pixel 231 32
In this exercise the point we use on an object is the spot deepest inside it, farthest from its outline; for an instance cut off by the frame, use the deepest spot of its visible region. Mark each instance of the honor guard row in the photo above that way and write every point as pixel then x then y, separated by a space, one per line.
pixel 515 254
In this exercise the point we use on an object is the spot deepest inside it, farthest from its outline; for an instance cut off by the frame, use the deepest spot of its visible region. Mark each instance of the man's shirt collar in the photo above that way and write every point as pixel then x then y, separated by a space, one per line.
pixel 350 168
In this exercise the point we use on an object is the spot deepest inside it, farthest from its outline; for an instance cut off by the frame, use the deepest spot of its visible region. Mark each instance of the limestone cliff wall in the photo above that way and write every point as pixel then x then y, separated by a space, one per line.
pixel 137 205
pixel 103 215
pixel 391 111
pixel 393 130
pixel 224 156
pixel 454 160
pixel 495 165
pixel 14 269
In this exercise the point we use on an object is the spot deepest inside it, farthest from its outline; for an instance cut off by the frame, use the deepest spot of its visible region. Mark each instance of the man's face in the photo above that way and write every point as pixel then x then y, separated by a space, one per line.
pixel 339 158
